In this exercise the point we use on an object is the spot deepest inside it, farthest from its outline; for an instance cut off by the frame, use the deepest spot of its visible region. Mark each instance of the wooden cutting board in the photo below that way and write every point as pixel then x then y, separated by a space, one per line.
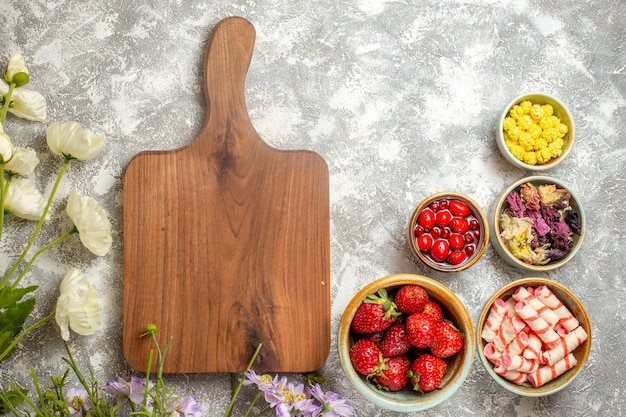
pixel 227 240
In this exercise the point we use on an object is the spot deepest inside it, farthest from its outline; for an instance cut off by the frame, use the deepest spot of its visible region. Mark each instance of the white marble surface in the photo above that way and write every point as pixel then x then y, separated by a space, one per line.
pixel 400 97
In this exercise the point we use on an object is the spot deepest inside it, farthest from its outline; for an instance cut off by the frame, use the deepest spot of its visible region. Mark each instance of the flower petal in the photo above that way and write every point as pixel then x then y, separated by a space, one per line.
pixel 24 200
pixel 94 228
pixel 78 305
pixel 23 163
pixel 73 141
pixel 28 104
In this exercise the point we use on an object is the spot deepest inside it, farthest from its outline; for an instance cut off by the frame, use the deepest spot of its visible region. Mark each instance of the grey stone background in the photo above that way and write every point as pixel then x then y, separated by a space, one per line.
pixel 400 97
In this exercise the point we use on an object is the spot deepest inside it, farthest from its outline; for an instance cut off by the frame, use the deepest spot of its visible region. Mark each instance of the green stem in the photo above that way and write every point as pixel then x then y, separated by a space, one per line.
pixel 42 250
pixel 231 405
pixel 22 334
pixel 4 188
pixel 40 224
pixel 7 103
pixel 251 406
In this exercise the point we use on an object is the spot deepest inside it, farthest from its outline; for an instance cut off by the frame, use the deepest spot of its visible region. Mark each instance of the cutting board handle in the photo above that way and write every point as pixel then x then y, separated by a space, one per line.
pixel 227 59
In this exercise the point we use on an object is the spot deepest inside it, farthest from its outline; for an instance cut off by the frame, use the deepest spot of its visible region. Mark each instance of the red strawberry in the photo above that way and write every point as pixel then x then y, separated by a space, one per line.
pixel 395 341
pixel 366 357
pixel 420 329
pixel 377 312
pixel 426 372
pixel 432 308
pixel 375 337
pixel 410 299
pixel 394 374
pixel 448 340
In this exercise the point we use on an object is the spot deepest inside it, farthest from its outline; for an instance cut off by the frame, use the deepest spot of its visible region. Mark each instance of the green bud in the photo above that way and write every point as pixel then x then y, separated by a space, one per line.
pixel 151 329
pixel 20 79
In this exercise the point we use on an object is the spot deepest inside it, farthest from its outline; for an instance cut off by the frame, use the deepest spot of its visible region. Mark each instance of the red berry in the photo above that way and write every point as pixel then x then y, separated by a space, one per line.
pixel 377 312
pixel 395 341
pixel 445 233
pixel 424 242
pixel 456 241
pixel 434 206
pixel 426 372
pixel 459 208
pixel 420 329
pixel 443 204
pixel 366 357
pixel 440 250
pixel 459 225
pixel 468 237
pixel 410 299
pixel 447 341
pixel 457 257
pixel 418 231
pixel 436 232
pixel 469 250
pixel 394 376
pixel 474 225
pixel 433 309
pixel 426 219
pixel 442 218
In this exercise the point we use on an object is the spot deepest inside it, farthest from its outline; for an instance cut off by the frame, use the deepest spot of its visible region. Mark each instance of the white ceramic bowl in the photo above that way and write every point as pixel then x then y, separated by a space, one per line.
pixel 500 245
pixel 560 110
pixel 581 353
pixel 459 365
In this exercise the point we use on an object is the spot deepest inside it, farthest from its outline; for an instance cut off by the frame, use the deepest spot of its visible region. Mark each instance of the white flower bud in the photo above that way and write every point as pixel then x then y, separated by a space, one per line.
pixel 6 146
pixel 23 163
pixel 94 228
pixel 16 71
pixel 24 200
pixel 73 141
pixel 78 305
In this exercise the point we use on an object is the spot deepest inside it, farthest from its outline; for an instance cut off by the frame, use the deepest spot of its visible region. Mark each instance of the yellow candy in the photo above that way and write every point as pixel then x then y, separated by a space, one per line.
pixel 533 134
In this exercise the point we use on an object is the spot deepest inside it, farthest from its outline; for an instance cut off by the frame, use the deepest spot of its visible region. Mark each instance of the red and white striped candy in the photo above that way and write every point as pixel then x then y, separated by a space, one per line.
pixel 537 324
pixel 494 320
pixel 511 326
pixel 519 363
pixel 568 343
pixel 491 353
pixel 547 297
pixel 513 376
pixel 547 373
pixel 533 350
pixel 527 294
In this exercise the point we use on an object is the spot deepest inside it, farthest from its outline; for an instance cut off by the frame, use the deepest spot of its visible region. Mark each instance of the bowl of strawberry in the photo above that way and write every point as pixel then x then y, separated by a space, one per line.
pixel 406 342
pixel 448 232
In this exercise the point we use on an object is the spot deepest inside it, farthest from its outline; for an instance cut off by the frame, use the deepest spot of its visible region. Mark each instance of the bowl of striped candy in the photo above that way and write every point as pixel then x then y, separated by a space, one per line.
pixel 533 337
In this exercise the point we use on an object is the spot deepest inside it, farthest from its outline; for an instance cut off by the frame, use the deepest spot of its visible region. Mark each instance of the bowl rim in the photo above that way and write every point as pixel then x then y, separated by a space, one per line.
pixel 477 211
pixel 579 312
pixel 494 225
pixel 385 400
pixel 562 110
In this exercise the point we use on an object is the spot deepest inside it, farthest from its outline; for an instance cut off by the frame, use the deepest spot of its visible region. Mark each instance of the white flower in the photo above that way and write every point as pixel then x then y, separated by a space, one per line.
pixel 23 163
pixel 6 146
pixel 94 228
pixel 16 71
pixel 73 141
pixel 24 200
pixel 27 104
pixel 78 305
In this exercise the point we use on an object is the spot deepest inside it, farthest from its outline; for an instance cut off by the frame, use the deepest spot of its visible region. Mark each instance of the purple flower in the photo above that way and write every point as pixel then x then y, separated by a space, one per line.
pixel 516 205
pixel 123 390
pixel 77 401
pixel 331 404
pixel 263 382
pixel 287 398
pixel 185 407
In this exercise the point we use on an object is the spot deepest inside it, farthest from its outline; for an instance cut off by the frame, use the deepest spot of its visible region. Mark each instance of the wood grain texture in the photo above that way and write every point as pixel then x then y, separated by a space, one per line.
pixel 227 240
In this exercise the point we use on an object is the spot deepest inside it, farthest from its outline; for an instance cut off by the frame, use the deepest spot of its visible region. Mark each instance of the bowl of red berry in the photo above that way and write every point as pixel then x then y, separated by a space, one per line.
pixel 448 232
pixel 537 224
pixel 533 336
pixel 406 342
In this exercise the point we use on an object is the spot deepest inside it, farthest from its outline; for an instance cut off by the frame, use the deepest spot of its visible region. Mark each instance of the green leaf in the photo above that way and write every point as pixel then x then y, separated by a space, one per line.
pixel 13 317
pixel 9 296
pixel 11 399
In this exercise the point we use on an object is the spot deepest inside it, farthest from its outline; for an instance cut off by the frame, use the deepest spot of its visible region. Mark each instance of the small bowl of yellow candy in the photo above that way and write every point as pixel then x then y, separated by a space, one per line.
pixel 535 132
